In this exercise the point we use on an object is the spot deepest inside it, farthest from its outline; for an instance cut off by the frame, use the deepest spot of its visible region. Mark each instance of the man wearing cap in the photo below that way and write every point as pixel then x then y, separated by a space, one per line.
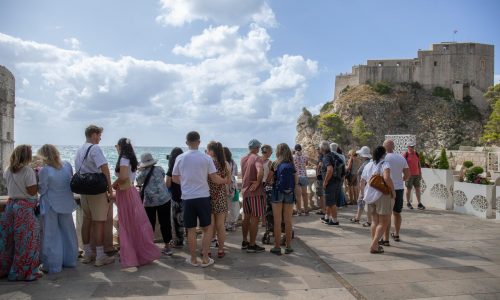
pixel 331 183
pixel 400 172
pixel 300 161
pixel 253 193
pixel 413 160
pixel 192 170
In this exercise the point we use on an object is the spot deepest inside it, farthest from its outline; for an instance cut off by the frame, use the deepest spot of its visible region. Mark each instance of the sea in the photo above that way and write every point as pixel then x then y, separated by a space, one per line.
pixel 68 153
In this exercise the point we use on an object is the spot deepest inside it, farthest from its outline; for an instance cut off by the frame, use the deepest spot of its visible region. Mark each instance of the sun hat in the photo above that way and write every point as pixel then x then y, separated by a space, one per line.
pixel 147 160
pixel 364 152
pixel 410 144
pixel 254 144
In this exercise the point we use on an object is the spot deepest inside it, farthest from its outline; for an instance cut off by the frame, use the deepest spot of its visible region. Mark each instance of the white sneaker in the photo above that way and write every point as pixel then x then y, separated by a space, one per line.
pixel 87 259
pixel 105 260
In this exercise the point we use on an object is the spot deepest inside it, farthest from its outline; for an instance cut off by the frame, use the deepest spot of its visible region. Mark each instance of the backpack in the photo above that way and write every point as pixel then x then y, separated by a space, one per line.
pixel 285 178
pixel 405 155
pixel 338 164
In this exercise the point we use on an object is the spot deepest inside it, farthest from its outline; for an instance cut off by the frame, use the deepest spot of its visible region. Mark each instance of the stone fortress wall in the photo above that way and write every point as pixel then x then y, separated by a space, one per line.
pixel 7 105
pixel 465 68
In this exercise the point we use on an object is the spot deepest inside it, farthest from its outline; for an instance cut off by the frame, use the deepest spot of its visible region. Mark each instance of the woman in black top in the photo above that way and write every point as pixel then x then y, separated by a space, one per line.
pixel 175 190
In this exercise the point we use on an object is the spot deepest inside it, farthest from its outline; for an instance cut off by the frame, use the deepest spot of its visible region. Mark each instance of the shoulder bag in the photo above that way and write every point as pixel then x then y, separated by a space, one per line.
pixel 88 183
pixel 146 181
pixel 377 182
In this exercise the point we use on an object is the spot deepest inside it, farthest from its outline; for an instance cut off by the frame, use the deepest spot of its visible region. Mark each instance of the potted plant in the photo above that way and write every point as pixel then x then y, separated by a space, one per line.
pixel 438 180
pixel 475 195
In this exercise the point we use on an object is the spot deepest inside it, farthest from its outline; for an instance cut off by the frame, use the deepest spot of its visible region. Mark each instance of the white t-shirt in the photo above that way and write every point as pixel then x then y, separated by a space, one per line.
pixel 371 194
pixel 17 182
pixel 126 162
pixel 94 160
pixel 397 164
pixel 193 167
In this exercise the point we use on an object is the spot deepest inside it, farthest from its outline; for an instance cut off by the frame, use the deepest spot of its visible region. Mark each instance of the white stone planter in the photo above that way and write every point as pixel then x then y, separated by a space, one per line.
pixel 474 199
pixel 437 188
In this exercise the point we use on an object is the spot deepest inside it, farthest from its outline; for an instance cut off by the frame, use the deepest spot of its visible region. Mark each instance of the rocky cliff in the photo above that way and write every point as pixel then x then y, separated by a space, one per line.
pixel 401 109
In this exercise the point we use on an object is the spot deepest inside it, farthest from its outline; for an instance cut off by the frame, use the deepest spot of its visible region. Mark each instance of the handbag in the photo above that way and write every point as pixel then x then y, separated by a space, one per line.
pixel 88 183
pixel 377 182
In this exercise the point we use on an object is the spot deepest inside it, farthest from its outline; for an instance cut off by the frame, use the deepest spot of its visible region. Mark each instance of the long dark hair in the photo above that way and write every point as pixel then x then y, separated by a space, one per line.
pixel 229 155
pixel 126 151
pixel 172 157
pixel 218 151
pixel 378 153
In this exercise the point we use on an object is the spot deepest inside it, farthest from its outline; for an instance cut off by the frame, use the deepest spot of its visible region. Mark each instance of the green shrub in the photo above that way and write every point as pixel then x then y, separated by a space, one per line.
pixel 382 88
pixel 421 155
pixel 328 106
pixel 313 121
pixel 443 161
pixel 444 93
pixel 467 98
pixel 360 133
pixel 472 175
pixel 416 85
pixel 345 89
pixel 469 111
pixel 332 128
pixel 468 164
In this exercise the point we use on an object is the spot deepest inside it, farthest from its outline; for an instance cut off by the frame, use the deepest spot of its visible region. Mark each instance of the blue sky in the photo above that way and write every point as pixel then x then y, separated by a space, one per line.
pixel 234 70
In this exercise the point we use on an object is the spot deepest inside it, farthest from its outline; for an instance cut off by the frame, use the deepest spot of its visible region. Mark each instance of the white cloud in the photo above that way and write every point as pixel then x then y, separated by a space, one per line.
pixel 73 43
pixel 179 12
pixel 231 91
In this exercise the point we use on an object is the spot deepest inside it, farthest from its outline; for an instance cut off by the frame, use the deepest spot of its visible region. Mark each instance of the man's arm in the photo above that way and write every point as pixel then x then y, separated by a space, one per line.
pixel 328 175
pixel 105 170
pixel 406 174
pixel 176 179
pixel 260 176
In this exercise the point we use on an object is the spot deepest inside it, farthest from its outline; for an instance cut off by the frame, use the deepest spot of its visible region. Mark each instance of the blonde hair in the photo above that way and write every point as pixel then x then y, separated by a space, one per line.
pixel 20 157
pixel 50 156
pixel 283 153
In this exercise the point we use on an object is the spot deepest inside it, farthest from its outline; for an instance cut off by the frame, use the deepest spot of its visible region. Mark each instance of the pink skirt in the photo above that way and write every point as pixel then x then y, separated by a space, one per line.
pixel 137 246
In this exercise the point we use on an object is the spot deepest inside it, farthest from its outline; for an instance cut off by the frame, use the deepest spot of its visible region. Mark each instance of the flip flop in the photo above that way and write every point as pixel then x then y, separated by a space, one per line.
pixel 395 237
pixel 209 263
pixel 188 261
pixel 379 250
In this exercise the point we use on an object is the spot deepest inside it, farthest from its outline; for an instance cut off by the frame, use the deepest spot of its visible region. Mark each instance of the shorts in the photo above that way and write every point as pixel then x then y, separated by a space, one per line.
pixel 413 181
pixel 279 197
pixel 398 203
pixel 319 188
pixel 333 193
pixel 383 206
pixel 254 206
pixel 95 207
pixel 303 181
pixel 197 209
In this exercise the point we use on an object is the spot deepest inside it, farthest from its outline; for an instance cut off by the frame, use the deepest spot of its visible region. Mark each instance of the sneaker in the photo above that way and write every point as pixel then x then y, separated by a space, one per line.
pixel 244 245
pixel 330 222
pixel 167 251
pixel 275 250
pixel 409 205
pixel 87 259
pixel 421 206
pixel 105 260
pixel 367 224
pixel 288 250
pixel 255 249
pixel 324 220
pixel 215 244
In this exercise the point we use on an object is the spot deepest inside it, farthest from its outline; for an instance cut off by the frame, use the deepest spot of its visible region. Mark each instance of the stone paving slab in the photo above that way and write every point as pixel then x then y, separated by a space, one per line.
pixel 442 255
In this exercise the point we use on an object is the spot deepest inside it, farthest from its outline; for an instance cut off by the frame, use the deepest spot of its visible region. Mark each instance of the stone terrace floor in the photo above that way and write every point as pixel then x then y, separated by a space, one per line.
pixel 442 255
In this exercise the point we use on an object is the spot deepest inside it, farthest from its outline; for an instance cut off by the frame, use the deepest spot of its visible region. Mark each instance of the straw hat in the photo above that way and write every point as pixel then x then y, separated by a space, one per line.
pixel 147 160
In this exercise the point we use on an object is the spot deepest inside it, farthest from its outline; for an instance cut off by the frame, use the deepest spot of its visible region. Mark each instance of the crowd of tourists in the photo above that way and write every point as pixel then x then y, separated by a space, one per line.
pixel 198 194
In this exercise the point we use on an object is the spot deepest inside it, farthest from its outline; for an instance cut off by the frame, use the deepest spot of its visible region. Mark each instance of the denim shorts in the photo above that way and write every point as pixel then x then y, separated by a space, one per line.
pixel 279 197
pixel 194 209
pixel 303 181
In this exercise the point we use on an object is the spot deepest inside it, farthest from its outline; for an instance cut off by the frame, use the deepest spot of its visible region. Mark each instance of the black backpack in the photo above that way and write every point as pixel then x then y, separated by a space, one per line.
pixel 339 170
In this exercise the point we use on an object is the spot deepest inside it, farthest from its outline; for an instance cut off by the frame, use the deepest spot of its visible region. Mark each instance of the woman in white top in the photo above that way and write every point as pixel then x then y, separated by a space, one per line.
pixel 137 246
pixel 379 205
pixel 19 226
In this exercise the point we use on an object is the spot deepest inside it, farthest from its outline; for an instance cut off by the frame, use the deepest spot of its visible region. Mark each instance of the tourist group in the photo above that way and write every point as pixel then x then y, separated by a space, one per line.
pixel 197 194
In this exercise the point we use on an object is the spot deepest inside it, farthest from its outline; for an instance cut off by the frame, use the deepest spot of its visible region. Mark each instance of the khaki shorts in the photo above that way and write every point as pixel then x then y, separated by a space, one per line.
pixel 95 207
pixel 383 206
pixel 413 181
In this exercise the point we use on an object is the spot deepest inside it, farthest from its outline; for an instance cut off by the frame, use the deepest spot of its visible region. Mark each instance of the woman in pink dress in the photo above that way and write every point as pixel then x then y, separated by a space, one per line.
pixel 137 246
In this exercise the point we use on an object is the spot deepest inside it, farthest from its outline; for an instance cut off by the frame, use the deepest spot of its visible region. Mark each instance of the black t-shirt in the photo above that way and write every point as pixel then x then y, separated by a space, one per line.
pixel 329 160
pixel 175 189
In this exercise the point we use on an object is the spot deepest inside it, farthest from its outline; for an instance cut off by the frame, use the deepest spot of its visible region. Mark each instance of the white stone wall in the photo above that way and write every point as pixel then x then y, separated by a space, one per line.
pixel 437 188
pixel 474 199
pixel 401 140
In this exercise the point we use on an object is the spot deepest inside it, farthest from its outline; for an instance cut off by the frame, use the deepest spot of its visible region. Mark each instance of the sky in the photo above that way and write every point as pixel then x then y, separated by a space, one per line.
pixel 231 69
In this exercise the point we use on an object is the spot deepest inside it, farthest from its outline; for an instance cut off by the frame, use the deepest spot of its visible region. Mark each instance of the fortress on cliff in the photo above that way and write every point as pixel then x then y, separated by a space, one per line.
pixel 464 68
pixel 7 105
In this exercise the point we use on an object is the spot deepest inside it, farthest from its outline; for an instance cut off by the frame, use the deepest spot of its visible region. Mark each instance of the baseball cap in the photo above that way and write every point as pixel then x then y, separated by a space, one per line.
pixel 254 144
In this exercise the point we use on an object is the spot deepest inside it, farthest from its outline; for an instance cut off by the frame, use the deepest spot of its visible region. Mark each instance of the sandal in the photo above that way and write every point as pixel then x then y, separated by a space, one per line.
pixel 209 263
pixel 379 250
pixel 384 243
pixel 221 253
pixel 367 224
pixel 395 237
pixel 354 220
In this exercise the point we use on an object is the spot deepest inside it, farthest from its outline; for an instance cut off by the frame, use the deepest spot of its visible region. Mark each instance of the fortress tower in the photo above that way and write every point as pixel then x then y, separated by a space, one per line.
pixel 464 68
pixel 7 104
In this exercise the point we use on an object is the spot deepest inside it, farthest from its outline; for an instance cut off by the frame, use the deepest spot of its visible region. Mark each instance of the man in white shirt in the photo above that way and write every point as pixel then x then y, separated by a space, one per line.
pixel 192 170
pixel 95 207
pixel 400 172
